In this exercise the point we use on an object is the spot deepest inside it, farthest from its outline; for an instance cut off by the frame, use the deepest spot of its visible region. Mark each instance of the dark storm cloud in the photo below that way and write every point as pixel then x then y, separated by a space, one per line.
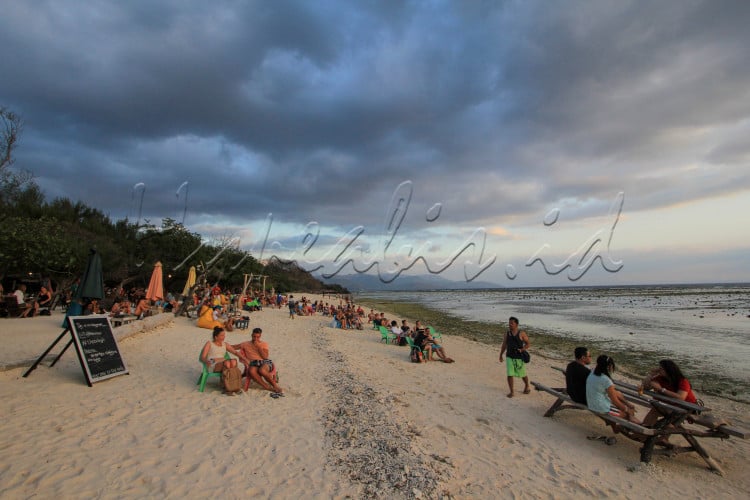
pixel 318 110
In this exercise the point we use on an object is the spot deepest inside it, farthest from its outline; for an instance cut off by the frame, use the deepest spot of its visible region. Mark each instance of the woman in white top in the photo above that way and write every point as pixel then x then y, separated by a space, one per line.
pixel 213 352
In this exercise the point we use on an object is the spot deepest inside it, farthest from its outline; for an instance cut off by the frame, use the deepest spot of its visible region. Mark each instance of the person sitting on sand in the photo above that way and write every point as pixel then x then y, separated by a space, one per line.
pixel 667 379
pixel 258 365
pixel 354 320
pixel 214 351
pixel 206 317
pixel 425 340
pixel 219 315
pixel 515 342
pixel 601 395
pixel 576 374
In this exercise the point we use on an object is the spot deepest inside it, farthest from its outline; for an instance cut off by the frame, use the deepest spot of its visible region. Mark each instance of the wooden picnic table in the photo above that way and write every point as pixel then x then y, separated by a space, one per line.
pixel 679 417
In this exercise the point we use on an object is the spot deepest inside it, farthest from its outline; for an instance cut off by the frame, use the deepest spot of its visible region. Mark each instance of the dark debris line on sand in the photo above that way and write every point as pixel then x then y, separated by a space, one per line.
pixel 365 445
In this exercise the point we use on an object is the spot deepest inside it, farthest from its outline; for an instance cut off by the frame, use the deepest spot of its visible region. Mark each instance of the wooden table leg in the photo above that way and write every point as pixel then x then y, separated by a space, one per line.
pixel 703 453
pixel 555 406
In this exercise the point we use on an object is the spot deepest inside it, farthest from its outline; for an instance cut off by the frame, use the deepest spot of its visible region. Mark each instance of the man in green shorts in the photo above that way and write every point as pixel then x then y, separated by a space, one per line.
pixel 515 342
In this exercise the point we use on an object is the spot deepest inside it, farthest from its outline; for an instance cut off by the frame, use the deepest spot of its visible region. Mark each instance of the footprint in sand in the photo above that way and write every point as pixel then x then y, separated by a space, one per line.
pixel 446 430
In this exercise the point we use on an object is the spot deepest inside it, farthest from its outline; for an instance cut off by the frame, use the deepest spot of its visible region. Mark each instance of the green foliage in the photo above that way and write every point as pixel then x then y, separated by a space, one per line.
pixel 39 246
pixel 53 239
pixel 55 243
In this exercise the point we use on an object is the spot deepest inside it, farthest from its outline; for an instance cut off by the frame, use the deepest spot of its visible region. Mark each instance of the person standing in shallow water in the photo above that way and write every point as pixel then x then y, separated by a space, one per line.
pixel 515 342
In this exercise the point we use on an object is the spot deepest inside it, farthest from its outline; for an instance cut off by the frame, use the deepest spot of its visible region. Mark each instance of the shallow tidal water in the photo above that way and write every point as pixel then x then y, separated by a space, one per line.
pixel 704 328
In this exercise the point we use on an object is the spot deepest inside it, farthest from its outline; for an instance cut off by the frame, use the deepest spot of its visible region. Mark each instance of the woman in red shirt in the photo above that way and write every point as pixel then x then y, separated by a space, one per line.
pixel 667 379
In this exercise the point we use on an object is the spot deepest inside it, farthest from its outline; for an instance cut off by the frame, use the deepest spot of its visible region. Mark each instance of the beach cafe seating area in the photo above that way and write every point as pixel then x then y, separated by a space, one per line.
pixel 678 417
pixel 9 307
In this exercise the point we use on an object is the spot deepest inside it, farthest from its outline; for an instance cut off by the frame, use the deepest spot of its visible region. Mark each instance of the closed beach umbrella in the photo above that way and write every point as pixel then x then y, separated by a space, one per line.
pixel 91 287
pixel 190 281
pixel 155 286
pixel 92 282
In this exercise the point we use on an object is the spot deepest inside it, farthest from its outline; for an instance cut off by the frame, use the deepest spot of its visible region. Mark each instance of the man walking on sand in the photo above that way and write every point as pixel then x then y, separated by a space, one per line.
pixel 515 342
pixel 292 307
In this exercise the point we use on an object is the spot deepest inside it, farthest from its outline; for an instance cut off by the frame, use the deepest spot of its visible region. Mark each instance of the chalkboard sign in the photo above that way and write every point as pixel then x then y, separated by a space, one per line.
pixel 97 348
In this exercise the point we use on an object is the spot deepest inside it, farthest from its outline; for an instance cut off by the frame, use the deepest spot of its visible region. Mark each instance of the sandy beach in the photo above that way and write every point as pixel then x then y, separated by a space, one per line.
pixel 358 420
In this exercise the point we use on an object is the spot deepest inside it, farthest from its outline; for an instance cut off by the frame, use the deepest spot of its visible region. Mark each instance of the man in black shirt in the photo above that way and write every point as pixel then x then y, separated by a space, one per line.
pixel 425 340
pixel 576 374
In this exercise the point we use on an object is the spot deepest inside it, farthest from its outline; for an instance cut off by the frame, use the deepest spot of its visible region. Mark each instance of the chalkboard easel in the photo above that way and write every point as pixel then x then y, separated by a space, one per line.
pixel 96 347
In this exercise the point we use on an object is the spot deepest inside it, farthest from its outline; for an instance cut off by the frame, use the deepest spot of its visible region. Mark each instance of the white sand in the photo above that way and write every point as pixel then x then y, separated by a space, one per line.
pixel 152 434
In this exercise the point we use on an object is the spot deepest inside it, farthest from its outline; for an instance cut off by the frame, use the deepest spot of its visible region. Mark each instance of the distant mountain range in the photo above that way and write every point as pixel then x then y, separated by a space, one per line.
pixel 368 282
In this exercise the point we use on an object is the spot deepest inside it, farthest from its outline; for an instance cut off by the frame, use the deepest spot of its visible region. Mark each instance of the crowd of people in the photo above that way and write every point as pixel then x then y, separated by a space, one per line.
pixel 588 385
pixel 421 337
pixel 30 305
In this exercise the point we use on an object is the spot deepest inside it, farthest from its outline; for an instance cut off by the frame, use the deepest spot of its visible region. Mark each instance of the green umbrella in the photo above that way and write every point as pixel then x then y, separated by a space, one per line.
pixel 92 282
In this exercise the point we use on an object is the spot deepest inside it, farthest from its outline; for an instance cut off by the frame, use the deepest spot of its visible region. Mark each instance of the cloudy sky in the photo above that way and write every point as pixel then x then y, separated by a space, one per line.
pixel 606 142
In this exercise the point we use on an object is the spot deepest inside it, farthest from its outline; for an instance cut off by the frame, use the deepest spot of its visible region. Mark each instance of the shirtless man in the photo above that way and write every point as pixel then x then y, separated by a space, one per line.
pixel 259 366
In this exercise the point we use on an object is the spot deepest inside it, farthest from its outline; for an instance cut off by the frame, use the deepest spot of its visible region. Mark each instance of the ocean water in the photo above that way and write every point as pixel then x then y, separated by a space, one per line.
pixel 704 328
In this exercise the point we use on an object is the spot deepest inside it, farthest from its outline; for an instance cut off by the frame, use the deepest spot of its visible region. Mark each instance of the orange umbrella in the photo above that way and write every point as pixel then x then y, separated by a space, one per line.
pixel 155 286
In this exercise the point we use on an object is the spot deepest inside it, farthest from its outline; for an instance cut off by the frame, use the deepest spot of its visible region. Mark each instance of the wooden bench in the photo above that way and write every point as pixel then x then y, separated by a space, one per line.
pixel 673 421
pixel 11 308
pixel 122 320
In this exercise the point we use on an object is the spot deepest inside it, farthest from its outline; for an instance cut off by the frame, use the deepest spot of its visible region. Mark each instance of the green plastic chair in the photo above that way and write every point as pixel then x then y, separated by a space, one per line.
pixel 435 334
pixel 411 343
pixel 386 335
pixel 205 374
